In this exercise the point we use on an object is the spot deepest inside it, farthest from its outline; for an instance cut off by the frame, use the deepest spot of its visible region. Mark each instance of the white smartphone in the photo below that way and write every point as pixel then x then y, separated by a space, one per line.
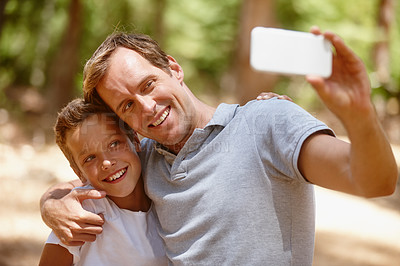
pixel 290 52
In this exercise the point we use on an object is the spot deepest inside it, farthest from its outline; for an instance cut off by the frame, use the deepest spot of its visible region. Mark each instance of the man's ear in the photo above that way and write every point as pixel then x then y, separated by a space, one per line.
pixel 176 69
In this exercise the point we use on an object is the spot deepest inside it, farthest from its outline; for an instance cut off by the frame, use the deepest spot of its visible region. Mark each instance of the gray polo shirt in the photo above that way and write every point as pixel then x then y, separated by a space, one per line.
pixel 234 194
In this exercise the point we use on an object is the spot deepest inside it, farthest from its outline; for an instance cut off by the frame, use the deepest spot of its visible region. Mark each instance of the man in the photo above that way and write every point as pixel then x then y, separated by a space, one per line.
pixel 231 185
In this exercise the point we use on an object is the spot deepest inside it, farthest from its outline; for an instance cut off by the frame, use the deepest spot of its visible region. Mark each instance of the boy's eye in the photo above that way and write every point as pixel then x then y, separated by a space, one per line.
pixel 89 158
pixel 114 144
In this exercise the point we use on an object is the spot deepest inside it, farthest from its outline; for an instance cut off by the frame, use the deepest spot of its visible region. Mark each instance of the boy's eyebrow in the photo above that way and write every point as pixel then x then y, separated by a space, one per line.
pixel 82 152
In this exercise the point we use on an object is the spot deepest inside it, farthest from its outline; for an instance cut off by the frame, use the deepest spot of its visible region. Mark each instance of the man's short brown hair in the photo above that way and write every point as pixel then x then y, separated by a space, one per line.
pixel 97 65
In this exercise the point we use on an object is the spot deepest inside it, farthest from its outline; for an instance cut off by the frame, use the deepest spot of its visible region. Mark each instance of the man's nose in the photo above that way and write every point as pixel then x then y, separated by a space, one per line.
pixel 148 105
pixel 107 164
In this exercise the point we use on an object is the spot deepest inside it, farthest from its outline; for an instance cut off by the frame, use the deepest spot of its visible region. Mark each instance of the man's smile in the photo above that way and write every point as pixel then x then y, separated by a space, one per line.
pixel 162 117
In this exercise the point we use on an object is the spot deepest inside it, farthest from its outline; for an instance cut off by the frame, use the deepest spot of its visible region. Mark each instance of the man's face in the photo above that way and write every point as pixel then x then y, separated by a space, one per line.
pixel 151 101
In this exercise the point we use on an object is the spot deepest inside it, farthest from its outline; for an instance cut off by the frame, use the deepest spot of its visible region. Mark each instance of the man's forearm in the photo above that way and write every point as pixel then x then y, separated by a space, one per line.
pixel 62 211
pixel 56 192
pixel 372 162
pixel 59 190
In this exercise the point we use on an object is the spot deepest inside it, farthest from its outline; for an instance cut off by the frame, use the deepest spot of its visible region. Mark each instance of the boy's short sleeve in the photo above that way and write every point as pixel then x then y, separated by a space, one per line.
pixel 74 250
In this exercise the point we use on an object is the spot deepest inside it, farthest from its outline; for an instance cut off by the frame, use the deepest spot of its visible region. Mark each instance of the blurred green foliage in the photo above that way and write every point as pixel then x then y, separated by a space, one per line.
pixel 200 34
pixel 356 22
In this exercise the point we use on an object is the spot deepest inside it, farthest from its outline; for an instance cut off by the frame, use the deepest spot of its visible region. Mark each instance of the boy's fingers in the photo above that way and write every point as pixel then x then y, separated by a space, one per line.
pixel 285 97
pixel 269 95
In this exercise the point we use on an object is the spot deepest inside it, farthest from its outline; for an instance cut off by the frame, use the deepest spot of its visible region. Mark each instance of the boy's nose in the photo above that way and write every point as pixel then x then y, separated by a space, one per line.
pixel 107 164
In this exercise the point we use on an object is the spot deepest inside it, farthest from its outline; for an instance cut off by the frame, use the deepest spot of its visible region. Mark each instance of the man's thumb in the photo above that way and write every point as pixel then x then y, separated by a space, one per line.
pixel 83 194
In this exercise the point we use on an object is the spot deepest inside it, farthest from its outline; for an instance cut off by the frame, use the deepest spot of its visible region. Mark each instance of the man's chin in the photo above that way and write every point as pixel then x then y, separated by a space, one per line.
pixel 174 145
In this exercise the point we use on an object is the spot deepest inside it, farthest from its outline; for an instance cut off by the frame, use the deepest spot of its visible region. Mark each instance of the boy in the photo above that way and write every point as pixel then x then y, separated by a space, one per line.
pixel 100 149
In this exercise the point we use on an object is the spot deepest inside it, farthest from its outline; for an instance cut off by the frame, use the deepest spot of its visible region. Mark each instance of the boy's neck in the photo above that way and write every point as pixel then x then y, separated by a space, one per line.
pixel 136 201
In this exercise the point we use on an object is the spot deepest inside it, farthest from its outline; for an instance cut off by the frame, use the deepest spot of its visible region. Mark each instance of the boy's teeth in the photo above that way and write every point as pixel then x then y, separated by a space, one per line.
pixel 161 119
pixel 116 175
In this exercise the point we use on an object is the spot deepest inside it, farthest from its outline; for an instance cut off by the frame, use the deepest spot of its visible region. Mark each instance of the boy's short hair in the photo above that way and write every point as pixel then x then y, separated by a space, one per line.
pixel 74 114
pixel 96 67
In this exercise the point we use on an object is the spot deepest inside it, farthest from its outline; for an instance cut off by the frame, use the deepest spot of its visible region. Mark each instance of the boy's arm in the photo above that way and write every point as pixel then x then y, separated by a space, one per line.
pixel 62 211
pixel 366 167
pixel 54 254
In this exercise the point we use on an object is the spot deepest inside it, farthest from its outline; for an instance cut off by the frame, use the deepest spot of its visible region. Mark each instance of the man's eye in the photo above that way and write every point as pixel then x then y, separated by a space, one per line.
pixel 149 84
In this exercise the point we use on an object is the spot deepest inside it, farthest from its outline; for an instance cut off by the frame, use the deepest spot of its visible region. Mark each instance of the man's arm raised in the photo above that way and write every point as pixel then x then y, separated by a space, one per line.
pixel 61 210
pixel 366 167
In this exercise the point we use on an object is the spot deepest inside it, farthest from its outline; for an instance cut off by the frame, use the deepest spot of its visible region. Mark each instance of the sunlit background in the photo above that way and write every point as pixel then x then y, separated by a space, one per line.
pixel 45 43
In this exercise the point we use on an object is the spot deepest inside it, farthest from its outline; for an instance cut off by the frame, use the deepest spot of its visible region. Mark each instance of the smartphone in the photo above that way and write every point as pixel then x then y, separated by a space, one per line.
pixel 290 52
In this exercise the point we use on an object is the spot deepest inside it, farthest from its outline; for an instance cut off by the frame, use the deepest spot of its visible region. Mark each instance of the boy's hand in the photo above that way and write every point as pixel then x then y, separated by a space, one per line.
pixel 269 95
pixel 70 222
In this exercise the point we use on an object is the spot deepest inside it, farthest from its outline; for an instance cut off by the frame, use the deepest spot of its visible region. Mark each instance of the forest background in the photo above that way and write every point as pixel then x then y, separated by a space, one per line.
pixel 44 45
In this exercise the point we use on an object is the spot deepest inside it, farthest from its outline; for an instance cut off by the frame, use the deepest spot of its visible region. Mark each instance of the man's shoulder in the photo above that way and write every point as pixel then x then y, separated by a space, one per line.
pixel 268 104
pixel 147 147
pixel 146 142
pixel 268 107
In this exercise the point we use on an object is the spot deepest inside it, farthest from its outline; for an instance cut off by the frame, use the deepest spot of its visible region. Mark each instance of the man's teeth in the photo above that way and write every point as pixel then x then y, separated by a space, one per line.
pixel 116 175
pixel 162 118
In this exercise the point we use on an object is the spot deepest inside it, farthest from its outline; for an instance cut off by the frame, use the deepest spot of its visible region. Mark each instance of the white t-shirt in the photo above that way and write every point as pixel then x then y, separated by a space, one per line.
pixel 128 238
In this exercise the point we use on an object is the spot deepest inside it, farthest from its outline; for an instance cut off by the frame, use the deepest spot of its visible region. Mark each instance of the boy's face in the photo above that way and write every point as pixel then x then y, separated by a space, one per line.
pixel 105 156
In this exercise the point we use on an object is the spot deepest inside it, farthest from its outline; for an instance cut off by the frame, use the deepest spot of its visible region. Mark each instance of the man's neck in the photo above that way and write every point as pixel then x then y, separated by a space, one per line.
pixel 206 112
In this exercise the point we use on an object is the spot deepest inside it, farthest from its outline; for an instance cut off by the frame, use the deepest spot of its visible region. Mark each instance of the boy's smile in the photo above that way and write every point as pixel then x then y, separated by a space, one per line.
pixel 117 177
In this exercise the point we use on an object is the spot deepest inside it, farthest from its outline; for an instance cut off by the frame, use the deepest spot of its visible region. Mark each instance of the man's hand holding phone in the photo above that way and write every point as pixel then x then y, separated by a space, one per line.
pixel 339 77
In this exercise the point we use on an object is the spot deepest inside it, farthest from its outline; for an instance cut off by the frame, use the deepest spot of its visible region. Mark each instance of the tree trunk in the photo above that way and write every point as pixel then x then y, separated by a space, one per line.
pixel 160 6
pixel 250 83
pixel 381 49
pixel 65 65
pixel 2 14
